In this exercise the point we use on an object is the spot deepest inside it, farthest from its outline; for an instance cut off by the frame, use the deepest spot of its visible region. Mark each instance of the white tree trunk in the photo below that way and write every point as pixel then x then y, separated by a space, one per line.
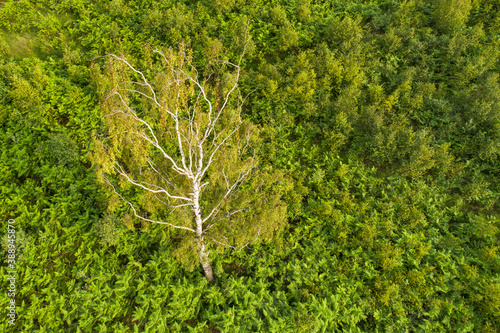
pixel 205 262
pixel 203 253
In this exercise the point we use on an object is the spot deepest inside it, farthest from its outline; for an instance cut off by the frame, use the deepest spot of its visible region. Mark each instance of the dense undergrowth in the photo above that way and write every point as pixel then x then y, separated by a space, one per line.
pixel 385 114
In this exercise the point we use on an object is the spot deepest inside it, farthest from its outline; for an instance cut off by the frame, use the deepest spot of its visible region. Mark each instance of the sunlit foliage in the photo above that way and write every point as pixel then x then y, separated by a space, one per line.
pixel 384 114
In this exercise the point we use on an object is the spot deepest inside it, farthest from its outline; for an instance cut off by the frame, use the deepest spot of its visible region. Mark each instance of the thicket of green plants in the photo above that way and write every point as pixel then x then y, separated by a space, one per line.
pixel 384 114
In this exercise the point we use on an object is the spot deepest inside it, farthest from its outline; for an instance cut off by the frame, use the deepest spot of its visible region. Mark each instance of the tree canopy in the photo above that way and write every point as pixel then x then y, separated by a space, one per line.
pixel 180 141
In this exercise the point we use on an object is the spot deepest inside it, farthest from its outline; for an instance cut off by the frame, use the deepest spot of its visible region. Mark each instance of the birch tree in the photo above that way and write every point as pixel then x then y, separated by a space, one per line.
pixel 178 153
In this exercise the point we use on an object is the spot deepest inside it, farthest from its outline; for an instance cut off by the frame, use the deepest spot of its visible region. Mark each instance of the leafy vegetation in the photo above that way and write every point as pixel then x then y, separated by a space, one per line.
pixel 383 115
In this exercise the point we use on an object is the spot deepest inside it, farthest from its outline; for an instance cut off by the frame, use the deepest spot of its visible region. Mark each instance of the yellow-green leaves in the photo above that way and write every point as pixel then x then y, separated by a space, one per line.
pixel 451 14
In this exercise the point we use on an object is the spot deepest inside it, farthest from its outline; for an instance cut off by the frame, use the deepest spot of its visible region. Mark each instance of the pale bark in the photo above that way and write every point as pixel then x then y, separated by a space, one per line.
pixel 205 262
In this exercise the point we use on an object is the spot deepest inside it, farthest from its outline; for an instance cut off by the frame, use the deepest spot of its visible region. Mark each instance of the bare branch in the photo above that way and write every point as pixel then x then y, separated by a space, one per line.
pixel 153 141
pixel 141 217
pixel 241 177
pixel 153 166
pixel 138 72
pixel 190 78
pixel 212 154
pixel 160 189
pixel 228 215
